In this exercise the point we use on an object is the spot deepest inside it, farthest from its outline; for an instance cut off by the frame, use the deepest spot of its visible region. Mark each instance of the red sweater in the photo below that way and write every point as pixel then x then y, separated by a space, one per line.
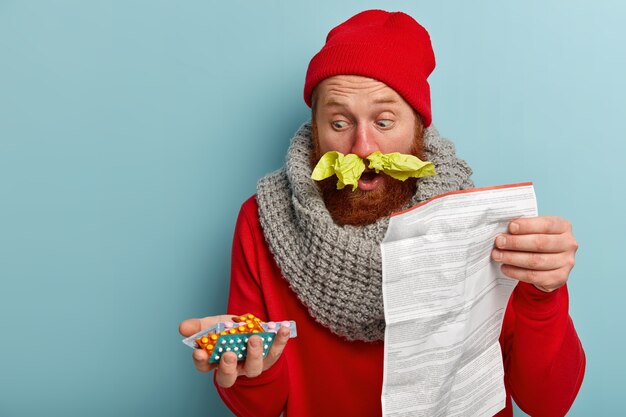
pixel 321 374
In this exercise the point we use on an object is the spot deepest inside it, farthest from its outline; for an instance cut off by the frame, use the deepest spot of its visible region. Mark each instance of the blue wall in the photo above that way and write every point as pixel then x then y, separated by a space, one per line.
pixel 131 131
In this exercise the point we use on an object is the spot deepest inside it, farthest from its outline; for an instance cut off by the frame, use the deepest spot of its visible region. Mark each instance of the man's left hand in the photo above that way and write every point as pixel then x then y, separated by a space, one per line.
pixel 537 250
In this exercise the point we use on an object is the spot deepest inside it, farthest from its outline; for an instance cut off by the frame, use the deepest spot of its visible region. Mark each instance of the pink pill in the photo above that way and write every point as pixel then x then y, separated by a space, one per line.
pixel 228 324
pixel 285 324
pixel 271 325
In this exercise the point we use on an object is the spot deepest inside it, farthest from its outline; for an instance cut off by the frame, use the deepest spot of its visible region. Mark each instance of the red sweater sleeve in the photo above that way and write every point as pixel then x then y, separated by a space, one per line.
pixel 265 395
pixel 543 357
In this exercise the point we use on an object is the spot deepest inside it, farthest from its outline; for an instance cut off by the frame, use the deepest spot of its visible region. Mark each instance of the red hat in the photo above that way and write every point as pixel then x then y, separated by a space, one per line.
pixel 389 47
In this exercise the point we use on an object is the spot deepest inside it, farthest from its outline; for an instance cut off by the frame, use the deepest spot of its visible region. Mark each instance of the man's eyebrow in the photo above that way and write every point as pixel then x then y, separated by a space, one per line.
pixel 386 100
pixel 382 100
pixel 333 102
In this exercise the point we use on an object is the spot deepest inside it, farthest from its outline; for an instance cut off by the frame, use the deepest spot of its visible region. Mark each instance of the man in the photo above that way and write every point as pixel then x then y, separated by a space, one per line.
pixel 308 252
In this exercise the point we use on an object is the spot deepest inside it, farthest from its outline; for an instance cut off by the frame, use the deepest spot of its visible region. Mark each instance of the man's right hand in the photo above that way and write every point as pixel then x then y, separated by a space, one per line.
pixel 228 368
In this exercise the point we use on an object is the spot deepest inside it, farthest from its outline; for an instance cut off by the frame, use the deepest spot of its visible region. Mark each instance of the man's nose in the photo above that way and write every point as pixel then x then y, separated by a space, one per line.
pixel 364 141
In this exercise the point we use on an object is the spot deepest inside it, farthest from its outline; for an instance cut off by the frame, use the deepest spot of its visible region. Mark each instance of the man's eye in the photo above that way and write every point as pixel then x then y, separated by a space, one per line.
pixel 384 122
pixel 339 124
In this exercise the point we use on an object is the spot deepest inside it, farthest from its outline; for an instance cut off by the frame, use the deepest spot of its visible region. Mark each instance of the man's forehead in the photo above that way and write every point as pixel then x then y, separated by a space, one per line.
pixel 337 90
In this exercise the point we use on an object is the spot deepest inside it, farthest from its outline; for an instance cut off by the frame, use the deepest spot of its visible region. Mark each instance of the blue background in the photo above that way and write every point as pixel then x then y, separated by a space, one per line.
pixel 131 131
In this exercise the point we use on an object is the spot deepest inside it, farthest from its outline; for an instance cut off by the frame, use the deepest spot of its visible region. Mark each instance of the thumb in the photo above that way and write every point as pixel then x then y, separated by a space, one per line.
pixel 192 326
pixel 189 327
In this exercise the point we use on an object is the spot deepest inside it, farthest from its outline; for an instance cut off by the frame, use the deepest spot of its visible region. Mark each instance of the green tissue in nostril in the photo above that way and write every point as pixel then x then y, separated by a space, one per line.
pixel 349 168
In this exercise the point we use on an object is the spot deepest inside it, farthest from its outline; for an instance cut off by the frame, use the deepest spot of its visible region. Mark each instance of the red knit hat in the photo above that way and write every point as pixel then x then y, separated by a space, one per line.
pixel 389 47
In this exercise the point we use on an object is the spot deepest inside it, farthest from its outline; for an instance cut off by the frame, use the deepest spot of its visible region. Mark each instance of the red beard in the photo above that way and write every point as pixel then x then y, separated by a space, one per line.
pixel 358 207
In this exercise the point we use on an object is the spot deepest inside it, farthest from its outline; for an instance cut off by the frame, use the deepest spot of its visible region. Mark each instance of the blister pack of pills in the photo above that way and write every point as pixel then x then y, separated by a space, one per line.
pixel 233 336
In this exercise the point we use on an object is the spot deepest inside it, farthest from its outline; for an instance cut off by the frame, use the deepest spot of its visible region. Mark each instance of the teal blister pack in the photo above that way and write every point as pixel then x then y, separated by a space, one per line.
pixel 237 343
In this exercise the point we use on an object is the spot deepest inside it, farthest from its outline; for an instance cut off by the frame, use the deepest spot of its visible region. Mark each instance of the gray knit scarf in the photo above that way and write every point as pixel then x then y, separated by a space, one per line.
pixel 336 270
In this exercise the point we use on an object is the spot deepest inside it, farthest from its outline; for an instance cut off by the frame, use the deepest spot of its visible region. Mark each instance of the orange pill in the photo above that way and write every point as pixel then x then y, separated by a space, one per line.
pixel 241 328
pixel 205 340
pixel 213 336
pixel 209 347
pixel 250 325
pixel 232 331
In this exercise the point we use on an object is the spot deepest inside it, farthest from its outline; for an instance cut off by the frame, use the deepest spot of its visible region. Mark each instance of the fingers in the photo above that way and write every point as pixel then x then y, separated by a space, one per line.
pixel 253 365
pixel 530 260
pixel 544 280
pixel 542 224
pixel 189 327
pixel 537 250
pixel 206 322
pixel 192 326
pixel 227 372
pixel 545 243
pixel 201 361
pixel 282 337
